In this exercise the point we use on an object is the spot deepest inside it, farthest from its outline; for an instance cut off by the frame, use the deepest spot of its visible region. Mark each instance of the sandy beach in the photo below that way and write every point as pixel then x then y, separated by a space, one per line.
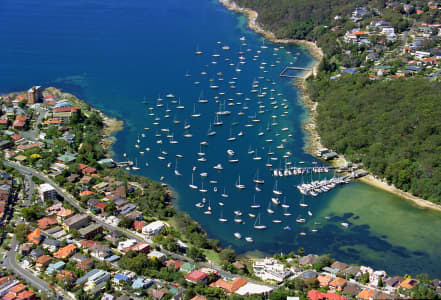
pixel 313 141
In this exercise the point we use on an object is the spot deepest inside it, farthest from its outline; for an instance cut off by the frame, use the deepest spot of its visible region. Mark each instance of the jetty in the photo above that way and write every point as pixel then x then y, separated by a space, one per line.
pixel 287 72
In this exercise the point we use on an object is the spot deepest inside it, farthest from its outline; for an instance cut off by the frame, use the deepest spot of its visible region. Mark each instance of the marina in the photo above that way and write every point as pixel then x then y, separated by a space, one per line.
pixel 135 85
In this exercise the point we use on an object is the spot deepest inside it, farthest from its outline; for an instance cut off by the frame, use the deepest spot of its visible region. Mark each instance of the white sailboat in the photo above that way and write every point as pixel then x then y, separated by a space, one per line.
pixel 224 194
pixel 269 209
pixel 257 224
pixel 284 205
pixel 195 114
pixel 192 185
pixel 275 190
pixel 222 219
pixel 239 185
pixel 177 173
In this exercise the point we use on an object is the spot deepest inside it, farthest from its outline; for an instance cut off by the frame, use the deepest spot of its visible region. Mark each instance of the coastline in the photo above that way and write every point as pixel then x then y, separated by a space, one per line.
pixel 313 140
pixel 111 125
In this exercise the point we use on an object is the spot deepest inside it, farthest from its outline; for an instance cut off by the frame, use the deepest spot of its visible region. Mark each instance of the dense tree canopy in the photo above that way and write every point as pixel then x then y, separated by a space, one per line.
pixel 393 127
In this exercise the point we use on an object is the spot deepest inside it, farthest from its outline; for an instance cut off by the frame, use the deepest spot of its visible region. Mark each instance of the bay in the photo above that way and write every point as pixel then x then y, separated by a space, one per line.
pixel 118 54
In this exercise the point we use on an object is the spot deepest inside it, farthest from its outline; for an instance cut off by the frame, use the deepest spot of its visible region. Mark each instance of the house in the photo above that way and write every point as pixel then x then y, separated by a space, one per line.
pixel 187 267
pixel 17 289
pixel 393 283
pixel 66 274
pixel 51 245
pixel 157 255
pixel 97 278
pixel 35 236
pixel 46 222
pixel 65 252
pixel 177 264
pixel 196 276
pixel 230 287
pixel 197 297
pixel 26 248
pixel 153 228
pixel 339 266
pixel 142 246
pixel 270 269
pixel 316 295
pixel 91 231
pixel 85 265
pixel 365 294
pixel 351 270
pixel 120 278
pixel 408 283
pixel 324 280
pixel 157 293
pixel 55 267
pixel 351 289
pixel 338 283
pixel 36 253
pixel 100 251
pixel 308 259
pixel 64 214
pixel 78 257
pixel 141 283
pixel 76 222
pixel 139 225
pixel 126 244
pixel 253 289
pixel 26 295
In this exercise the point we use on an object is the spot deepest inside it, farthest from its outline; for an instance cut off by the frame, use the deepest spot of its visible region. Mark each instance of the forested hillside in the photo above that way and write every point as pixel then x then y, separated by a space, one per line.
pixel 393 127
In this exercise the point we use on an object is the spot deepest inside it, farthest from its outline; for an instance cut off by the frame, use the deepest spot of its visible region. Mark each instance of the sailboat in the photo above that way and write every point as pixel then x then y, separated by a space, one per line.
pixel 195 115
pixel 202 190
pixel 222 219
pixel 300 219
pixel 231 138
pixel 192 185
pixel 136 165
pixel 217 121
pixel 257 224
pixel 177 173
pixel 275 200
pixel 224 194
pixel 302 202
pixel 250 151
pixel 275 190
pixel 239 185
pixel 208 211
pixel 286 213
pixel 211 132
pixel 284 205
pixel 269 210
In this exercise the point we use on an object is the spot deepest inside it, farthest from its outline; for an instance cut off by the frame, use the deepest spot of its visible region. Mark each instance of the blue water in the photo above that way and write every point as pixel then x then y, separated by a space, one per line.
pixel 118 54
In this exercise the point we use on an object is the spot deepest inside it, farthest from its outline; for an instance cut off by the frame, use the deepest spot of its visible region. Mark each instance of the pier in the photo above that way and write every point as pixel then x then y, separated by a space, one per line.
pixel 285 72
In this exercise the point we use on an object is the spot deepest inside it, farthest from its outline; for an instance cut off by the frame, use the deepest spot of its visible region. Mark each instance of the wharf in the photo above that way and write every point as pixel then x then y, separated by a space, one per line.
pixel 285 72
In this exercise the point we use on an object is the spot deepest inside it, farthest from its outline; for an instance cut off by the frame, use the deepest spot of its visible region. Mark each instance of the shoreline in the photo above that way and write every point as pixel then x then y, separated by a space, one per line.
pixel 111 125
pixel 313 139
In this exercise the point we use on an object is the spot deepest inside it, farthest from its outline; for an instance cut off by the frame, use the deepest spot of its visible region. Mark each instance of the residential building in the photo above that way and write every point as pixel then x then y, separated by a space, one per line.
pixel 91 231
pixel 47 192
pixel 34 95
pixel 76 222
pixel 35 236
pixel 316 295
pixel 97 278
pixel 153 228
pixel 196 276
pixel 55 267
pixel 65 252
pixel 270 269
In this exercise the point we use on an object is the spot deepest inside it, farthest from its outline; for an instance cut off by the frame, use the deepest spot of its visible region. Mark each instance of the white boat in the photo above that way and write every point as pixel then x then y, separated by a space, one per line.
pixel 300 219
pixel 257 224
pixel 251 215
pixel 237 235
pixel 275 200
pixel 277 221
pixel 237 220
pixel 222 219
pixel 309 213
pixel 284 205
pixel 230 152
pixel 238 184
pixel 269 210
pixel 254 205
pixel 275 190
pixel 195 115
pixel 344 224
pixel 237 212
pixel 177 173
pixel 192 185
pixel 218 167
pixel 224 194
pixel 249 239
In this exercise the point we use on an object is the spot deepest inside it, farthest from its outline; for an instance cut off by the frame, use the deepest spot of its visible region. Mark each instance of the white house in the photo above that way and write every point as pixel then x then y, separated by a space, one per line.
pixel 153 228
pixel 270 269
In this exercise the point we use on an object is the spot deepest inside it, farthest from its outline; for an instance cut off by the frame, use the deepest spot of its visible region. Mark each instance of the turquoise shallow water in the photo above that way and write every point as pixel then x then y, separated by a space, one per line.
pixel 117 54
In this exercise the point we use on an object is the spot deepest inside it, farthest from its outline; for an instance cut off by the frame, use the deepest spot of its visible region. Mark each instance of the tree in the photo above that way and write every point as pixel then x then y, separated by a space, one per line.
pixel 126 222
pixel 21 232
pixel 301 251
pixel 195 253
pixel 228 254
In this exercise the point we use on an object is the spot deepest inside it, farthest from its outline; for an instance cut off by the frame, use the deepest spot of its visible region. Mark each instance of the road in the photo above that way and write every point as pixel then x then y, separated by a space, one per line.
pixel 10 262
pixel 29 171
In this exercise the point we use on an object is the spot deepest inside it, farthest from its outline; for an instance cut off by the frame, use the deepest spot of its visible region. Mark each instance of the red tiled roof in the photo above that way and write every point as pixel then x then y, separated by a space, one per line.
pixel 26 295
pixel 67 109
pixel 316 295
pixel 138 225
pixel 86 193
pixel 35 236
pixel 16 137
pixel 17 288
pixel 65 252
pixel 176 263
pixel 195 276
pixel 46 222
pixel 365 294
pixel 101 205
pixel 88 243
